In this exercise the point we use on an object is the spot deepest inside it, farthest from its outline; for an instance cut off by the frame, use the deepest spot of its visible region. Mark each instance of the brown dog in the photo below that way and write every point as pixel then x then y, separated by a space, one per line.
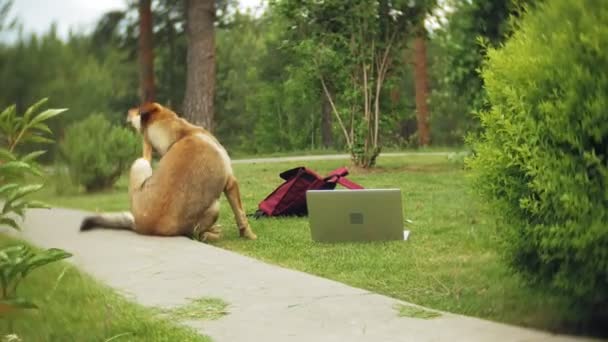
pixel 182 196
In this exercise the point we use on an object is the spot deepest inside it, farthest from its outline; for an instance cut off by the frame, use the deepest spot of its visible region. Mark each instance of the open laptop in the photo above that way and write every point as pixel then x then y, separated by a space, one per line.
pixel 355 215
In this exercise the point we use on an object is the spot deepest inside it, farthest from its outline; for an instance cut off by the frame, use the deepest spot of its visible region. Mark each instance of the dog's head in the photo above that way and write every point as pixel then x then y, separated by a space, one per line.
pixel 142 116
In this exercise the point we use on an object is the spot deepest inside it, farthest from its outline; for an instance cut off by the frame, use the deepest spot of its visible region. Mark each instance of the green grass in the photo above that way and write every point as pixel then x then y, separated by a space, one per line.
pixel 74 307
pixel 198 309
pixel 451 262
pixel 415 312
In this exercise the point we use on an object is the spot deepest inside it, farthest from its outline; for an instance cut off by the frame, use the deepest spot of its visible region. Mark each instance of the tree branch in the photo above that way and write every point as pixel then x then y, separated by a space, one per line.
pixel 382 70
pixel 335 110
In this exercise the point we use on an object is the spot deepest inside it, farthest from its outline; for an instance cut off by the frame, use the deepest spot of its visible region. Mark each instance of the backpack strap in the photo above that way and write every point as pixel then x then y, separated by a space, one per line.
pixel 348 183
pixel 289 174
pixel 339 176
pixel 339 172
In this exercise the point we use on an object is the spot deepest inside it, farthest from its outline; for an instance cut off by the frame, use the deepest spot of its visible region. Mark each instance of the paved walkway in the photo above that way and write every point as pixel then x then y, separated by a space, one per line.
pixel 331 157
pixel 267 303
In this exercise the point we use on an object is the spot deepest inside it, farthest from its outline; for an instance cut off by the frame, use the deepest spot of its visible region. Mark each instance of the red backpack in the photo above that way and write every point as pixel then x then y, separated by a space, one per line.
pixel 290 197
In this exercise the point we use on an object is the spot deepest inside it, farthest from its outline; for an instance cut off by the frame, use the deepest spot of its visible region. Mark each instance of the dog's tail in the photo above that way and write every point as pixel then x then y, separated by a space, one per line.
pixel 121 220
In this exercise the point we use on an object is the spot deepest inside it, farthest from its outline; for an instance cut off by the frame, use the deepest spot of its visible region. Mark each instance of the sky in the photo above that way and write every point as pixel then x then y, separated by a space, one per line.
pixel 37 15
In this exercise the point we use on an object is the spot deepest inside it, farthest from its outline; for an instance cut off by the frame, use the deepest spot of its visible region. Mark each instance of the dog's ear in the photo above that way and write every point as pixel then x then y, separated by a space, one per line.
pixel 144 117
pixel 146 111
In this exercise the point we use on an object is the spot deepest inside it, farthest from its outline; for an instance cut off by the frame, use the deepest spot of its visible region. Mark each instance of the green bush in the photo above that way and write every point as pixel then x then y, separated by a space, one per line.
pixel 543 155
pixel 16 172
pixel 97 153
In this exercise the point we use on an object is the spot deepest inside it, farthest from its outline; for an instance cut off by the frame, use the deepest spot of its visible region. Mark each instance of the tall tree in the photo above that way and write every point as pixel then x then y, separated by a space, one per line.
pixel 421 80
pixel 417 12
pixel 147 90
pixel 200 79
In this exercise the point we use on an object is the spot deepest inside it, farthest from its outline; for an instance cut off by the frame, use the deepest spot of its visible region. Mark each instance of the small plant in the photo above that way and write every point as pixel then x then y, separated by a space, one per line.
pixel 97 153
pixel 17 261
pixel 14 131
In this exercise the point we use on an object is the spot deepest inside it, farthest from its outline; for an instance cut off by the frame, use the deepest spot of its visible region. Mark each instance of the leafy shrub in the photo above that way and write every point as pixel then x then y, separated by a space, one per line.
pixel 97 153
pixel 17 261
pixel 16 130
pixel 543 155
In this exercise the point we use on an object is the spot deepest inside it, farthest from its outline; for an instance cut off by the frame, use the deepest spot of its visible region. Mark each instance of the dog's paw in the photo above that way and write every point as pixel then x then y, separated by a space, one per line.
pixel 217 229
pixel 210 237
pixel 247 233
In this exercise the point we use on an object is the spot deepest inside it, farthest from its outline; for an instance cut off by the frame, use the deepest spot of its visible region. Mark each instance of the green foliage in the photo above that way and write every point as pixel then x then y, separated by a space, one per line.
pixel 347 48
pixel 268 98
pixel 16 130
pixel 269 103
pixel 543 154
pixel 29 128
pixel 16 263
pixel 77 73
pixel 460 46
pixel 97 153
pixel 261 106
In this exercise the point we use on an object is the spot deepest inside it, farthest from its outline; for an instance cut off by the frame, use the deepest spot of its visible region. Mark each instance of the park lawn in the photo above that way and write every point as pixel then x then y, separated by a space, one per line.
pixel 451 262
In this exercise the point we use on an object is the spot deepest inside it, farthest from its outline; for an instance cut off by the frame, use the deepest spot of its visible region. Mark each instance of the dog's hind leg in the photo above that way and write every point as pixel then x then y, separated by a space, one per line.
pixel 206 230
pixel 234 198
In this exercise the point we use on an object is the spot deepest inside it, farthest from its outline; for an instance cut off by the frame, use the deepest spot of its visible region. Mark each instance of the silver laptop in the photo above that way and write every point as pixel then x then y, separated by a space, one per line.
pixel 355 215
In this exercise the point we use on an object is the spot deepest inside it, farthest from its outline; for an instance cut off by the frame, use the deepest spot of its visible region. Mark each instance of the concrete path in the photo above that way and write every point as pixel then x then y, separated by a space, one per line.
pixel 331 157
pixel 267 303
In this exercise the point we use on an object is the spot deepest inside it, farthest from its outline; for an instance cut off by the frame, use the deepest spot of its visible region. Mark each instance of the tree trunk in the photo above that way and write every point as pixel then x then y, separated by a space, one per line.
pixel 200 80
pixel 147 90
pixel 327 138
pixel 422 91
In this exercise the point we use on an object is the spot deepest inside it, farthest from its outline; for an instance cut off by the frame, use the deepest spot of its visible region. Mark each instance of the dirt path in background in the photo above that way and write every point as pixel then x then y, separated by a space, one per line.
pixel 331 157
